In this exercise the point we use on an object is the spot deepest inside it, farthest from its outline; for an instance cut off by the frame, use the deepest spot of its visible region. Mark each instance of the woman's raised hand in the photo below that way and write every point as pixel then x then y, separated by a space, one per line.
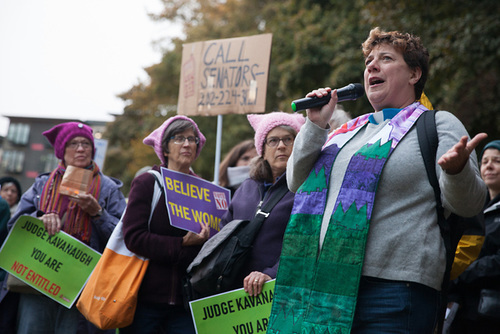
pixel 321 116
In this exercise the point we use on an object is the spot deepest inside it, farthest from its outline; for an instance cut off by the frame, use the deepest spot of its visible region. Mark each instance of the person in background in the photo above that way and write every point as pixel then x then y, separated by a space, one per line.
pixel 363 251
pixel 90 218
pixel 484 272
pixel 8 301
pixel 275 134
pixel 160 307
pixel 10 190
pixel 469 245
pixel 4 218
pixel 339 117
pixel 234 169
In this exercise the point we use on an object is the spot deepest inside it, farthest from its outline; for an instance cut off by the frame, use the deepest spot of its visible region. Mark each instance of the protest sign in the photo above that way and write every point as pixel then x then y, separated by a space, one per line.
pixel 225 76
pixel 233 312
pixel 192 201
pixel 58 266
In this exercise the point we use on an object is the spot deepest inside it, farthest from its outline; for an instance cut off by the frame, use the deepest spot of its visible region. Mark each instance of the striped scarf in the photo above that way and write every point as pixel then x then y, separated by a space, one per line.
pixel 76 222
pixel 316 291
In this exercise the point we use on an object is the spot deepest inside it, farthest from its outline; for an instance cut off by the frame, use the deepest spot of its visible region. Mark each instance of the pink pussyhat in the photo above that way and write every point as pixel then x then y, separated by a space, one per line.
pixel 263 123
pixel 154 139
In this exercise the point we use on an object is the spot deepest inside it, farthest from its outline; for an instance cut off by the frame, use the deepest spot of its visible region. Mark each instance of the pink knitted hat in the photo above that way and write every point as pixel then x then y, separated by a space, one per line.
pixel 154 139
pixel 263 123
pixel 62 133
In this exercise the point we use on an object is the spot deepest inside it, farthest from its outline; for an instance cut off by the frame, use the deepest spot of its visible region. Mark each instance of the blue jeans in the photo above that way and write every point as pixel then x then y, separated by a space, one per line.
pixel 160 318
pixel 41 315
pixel 385 306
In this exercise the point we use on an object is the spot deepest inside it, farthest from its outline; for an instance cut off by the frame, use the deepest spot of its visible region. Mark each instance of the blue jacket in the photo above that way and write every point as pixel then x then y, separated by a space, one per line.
pixel 266 249
pixel 110 199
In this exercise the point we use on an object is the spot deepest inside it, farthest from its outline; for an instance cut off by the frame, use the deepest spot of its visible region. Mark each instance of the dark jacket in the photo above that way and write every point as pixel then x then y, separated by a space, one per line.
pixel 4 218
pixel 161 243
pixel 266 249
pixel 485 271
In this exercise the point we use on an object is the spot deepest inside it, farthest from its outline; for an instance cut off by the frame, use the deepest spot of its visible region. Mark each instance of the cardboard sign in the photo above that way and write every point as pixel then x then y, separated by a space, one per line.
pixel 58 266
pixel 225 76
pixel 75 181
pixel 192 201
pixel 233 312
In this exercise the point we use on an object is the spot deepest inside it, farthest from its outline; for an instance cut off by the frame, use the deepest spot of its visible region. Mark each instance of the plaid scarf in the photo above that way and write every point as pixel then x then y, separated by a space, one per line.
pixel 316 291
pixel 76 222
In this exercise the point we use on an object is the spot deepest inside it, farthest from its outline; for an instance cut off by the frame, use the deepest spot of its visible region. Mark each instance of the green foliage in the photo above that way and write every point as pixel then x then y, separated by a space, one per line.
pixel 463 39
pixel 317 44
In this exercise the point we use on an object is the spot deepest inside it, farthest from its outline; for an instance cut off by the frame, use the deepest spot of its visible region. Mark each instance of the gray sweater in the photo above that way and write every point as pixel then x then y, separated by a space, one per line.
pixel 404 242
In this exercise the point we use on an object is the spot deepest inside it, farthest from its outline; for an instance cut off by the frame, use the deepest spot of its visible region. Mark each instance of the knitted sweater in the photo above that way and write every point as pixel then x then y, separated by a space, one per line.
pixel 404 242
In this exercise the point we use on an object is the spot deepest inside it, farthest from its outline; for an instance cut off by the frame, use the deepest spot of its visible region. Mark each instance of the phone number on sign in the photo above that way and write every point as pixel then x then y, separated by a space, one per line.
pixel 244 97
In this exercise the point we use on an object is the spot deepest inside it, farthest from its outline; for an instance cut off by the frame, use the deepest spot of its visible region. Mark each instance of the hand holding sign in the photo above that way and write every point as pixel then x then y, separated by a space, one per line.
pixel 233 312
pixel 52 222
pixel 193 203
pixel 193 239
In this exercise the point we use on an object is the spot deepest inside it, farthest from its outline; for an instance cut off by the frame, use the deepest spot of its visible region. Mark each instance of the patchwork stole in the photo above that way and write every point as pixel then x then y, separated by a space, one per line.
pixel 316 291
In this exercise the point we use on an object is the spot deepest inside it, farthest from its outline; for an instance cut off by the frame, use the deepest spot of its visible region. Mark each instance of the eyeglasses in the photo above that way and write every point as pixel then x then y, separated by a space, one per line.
pixel 74 145
pixel 275 141
pixel 181 140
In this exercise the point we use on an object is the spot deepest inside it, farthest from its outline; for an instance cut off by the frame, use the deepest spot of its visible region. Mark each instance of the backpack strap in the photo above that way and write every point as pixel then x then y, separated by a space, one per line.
pixel 428 141
pixel 262 213
pixel 273 200
pixel 157 192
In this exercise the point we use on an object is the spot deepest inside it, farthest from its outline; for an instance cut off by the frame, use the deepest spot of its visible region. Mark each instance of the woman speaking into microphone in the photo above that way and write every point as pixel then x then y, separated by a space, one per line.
pixel 363 251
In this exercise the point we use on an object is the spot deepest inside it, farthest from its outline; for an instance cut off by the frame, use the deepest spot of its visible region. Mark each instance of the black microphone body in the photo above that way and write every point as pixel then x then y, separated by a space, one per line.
pixel 350 92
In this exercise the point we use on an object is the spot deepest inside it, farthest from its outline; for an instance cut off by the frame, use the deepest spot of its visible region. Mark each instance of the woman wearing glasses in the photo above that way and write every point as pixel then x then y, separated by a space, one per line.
pixel 274 137
pixel 177 143
pixel 90 218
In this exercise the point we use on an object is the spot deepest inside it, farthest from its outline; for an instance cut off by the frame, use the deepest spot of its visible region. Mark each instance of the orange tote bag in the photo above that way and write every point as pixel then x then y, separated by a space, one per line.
pixel 109 298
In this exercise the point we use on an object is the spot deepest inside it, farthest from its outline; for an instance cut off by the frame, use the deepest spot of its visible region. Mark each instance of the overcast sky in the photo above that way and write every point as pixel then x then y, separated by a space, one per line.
pixel 70 58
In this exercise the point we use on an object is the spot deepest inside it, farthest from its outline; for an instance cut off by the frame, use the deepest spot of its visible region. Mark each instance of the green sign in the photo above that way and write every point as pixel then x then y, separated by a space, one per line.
pixel 58 266
pixel 233 312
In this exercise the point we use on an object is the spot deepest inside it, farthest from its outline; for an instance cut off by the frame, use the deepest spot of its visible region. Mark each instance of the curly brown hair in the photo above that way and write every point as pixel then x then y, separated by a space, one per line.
pixel 410 46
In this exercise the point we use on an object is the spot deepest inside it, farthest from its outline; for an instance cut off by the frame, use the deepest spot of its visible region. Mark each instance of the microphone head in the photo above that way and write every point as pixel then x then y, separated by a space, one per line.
pixel 351 92
pixel 359 90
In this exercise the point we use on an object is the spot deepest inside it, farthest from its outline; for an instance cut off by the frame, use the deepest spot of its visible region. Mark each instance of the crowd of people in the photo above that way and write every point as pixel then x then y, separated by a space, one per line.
pixel 354 244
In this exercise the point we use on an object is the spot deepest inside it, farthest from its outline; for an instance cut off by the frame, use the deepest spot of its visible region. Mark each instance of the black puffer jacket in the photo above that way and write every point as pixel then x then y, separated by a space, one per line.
pixel 485 271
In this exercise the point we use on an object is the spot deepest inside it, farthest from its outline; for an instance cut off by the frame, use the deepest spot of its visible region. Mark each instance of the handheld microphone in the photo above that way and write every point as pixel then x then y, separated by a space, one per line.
pixel 350 92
